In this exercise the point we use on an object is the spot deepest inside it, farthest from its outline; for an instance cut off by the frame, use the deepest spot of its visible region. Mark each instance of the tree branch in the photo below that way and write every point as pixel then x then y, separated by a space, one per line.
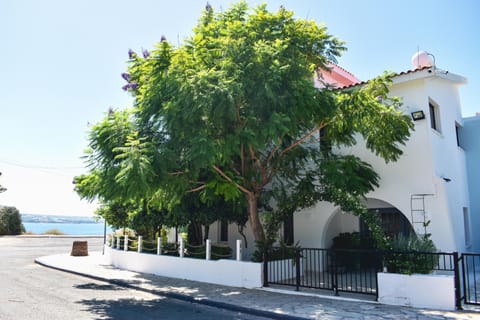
pixel 302 139
pixel 197 188
pixel 224 175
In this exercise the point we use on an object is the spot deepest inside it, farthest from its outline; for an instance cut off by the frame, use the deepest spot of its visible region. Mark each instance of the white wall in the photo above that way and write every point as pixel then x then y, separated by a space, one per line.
pixel 417 290
pixel 470 139
pixel 224 272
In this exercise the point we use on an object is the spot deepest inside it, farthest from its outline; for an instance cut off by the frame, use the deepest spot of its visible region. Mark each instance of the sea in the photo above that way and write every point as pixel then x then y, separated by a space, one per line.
pixel 87 229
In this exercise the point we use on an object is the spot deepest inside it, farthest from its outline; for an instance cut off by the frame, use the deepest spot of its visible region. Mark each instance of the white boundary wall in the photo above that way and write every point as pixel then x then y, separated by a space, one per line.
pixel 417 290
pixel 224 272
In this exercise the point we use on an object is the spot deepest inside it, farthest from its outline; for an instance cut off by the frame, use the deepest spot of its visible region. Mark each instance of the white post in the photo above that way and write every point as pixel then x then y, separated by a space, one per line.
pixel 159 245
pixel 182 247
pixel 140 238
pixel 208 247
pixel 118 242
pixel 125 244
pixel 239 250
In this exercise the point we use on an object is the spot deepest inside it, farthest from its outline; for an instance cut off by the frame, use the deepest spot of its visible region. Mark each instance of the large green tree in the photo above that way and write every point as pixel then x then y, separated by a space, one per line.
pixel 233 112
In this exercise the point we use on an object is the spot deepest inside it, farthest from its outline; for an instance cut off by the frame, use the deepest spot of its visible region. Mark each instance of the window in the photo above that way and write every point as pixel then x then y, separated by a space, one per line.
pixel 434 116
pixel 224 231
pixel 325 143
pixel 288 230
pixel 466 226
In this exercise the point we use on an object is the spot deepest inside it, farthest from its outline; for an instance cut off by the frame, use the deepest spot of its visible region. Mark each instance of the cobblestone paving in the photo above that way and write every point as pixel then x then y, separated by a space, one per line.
pixel 285 303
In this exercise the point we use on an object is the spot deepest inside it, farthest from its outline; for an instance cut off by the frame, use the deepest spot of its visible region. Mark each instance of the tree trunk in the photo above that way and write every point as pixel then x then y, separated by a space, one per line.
pixel 195 237
pixel 255 223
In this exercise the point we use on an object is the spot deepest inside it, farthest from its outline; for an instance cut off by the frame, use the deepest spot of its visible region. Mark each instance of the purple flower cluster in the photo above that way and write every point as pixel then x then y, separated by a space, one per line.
pixel 146 53
pixel 131 54
pixel 130 86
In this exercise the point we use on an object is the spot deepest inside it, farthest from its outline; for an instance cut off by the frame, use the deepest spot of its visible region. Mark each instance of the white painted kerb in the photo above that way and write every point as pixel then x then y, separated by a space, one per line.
pixel 224 272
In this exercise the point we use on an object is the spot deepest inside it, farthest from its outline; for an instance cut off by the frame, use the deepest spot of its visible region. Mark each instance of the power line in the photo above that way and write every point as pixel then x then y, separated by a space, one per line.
pixel 62 170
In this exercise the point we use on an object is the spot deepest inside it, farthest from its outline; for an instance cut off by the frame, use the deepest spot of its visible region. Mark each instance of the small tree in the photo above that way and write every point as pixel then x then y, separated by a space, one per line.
pixel 10 221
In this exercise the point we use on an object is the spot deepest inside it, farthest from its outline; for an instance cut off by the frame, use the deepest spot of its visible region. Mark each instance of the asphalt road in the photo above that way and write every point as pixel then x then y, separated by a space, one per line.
pixel 30 291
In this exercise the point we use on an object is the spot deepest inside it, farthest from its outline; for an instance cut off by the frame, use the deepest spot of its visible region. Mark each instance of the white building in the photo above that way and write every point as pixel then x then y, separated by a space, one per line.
pixel 470 142
pixel 428 183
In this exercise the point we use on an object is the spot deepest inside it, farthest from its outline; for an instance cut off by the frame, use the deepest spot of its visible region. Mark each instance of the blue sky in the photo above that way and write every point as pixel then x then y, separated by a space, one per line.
pixel 61 62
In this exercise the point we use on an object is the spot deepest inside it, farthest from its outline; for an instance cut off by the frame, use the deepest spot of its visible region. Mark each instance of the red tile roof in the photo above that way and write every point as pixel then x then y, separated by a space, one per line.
pixel 395 75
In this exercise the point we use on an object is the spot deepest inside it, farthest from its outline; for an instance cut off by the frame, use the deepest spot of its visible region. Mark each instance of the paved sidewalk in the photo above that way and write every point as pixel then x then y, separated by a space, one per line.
pixel 271 303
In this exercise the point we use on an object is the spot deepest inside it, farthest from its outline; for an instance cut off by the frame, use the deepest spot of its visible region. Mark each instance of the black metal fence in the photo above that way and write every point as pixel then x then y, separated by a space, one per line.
pixel 353 271
pixel 470 267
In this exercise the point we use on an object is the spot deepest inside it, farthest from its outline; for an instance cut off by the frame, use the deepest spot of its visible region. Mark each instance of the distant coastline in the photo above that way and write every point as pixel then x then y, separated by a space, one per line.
pixel 69 225
pixel 43 218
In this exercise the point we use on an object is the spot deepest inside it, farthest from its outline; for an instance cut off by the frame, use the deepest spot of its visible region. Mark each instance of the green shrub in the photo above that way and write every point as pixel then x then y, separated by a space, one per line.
pixel 54 232
pixel 352 251
pixel 218 252
pixel 280 252
pixel 10 221
pixel 411 254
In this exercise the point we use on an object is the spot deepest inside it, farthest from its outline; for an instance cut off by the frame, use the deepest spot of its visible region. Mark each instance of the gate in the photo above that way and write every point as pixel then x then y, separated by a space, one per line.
pixel 470 275
pixel 353 271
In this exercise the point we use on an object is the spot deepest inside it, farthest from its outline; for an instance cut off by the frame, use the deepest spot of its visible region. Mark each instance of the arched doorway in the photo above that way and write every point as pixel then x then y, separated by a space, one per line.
pixel 392 220
pixel 394 223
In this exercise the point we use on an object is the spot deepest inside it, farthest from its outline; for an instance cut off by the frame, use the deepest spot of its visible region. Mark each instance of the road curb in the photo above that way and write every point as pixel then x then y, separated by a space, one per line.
pixel 179 296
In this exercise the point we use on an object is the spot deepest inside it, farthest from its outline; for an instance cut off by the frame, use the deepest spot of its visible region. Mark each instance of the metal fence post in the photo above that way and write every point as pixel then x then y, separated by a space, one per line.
pixel 265 268
pixel 458 291
pixel 297 269
pixel 335 273
pixel 125 244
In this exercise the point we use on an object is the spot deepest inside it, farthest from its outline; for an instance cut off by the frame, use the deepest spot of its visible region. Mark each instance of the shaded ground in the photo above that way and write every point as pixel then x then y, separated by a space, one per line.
pixel 30 291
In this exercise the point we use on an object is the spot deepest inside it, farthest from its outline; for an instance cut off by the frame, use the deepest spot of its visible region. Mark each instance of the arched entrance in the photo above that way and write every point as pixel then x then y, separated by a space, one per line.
pixel 392 220
pixel 394 223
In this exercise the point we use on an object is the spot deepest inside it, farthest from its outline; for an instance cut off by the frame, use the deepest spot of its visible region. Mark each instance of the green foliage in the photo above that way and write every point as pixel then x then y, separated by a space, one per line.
pixel 352 251
pixel 352 241
pixel 10 221
pixel 280 252
pixel 411 254
pixel 218 252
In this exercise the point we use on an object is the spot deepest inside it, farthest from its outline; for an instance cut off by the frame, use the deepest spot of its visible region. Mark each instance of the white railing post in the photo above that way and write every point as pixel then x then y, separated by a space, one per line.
pixel 125 243
pixel 159 245
pixel 118 242
pixel 182 247
pixel 208 247
pixel 140 238
pixel 239 250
